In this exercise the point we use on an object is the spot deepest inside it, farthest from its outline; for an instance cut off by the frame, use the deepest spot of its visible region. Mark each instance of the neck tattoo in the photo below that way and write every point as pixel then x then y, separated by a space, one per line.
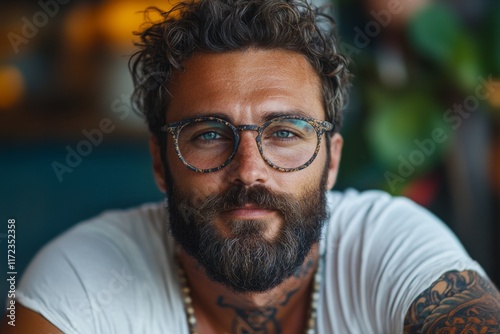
pixel 189 309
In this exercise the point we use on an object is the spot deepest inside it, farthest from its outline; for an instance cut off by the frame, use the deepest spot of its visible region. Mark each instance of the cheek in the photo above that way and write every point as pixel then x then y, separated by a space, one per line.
pixel 197 185
pixel 305 179
pixel 319 167
pixel 205 184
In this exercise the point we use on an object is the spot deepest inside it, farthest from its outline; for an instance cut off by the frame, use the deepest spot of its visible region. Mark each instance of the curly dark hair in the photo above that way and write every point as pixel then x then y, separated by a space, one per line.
pixel 228 25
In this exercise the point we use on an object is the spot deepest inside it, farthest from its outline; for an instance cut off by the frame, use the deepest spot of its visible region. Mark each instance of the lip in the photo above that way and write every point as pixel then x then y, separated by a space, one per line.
pixel 248 211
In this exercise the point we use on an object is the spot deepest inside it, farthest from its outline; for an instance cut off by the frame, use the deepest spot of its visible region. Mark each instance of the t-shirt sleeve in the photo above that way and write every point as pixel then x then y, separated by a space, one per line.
pixel 113 274
pixel 78 281
pixel 392 250
pixel 422 249
pixel 52 287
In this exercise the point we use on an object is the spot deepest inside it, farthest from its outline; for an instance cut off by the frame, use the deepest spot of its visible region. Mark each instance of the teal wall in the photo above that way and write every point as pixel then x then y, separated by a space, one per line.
pixel 114 175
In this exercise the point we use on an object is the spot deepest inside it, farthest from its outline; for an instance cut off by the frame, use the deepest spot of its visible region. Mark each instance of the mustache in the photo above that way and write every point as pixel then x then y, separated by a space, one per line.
pixel 239 195
pixel 236 197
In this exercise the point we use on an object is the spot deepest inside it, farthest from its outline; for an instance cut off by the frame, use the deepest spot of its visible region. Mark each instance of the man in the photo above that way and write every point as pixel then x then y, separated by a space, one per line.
pixel 243 100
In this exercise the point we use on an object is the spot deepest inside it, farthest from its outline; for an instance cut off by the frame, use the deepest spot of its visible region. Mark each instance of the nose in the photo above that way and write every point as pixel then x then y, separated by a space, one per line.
pixel 248 167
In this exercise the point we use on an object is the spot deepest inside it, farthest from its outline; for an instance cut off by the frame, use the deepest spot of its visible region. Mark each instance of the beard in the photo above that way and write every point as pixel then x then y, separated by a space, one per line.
pixel 246 261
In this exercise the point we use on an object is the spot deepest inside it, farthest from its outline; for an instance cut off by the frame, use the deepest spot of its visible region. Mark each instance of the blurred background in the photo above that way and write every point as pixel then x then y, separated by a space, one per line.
pixel 423 119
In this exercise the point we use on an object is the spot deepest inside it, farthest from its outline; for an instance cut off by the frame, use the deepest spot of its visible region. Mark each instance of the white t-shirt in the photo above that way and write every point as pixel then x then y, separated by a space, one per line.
pixel 115 274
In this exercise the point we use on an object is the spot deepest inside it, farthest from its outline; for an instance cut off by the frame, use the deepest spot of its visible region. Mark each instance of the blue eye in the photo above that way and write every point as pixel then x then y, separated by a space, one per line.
pixel 210 136
pixel 283 134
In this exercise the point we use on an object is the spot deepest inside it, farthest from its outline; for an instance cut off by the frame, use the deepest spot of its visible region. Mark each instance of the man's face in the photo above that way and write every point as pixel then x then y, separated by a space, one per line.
pixel 248 224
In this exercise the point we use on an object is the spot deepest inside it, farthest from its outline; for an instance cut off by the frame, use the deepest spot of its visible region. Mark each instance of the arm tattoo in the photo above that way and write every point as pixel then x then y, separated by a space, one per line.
pixel 458 302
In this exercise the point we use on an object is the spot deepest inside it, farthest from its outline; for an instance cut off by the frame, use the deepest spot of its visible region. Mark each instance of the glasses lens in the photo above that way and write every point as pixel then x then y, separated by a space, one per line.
pixel 289 143
pixel 206 144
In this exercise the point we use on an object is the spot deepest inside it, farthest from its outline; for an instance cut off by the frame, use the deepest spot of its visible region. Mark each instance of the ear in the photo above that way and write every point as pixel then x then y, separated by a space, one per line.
pixel 158 170
pixel 336 144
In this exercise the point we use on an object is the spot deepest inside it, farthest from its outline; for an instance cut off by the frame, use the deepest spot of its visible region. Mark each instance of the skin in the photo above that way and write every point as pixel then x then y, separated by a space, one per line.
pixel 28 321
pixel 245 86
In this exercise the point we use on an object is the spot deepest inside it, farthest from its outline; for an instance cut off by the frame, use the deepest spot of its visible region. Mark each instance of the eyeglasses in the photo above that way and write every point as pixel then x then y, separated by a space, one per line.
pixel 286 143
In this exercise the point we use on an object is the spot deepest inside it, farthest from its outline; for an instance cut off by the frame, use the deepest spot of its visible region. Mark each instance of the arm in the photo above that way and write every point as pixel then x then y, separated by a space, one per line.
pixel 28 321
pixel 458 302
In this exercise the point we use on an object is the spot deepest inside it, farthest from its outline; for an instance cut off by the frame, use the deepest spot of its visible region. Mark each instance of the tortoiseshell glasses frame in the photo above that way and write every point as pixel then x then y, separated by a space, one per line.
pixel 175 129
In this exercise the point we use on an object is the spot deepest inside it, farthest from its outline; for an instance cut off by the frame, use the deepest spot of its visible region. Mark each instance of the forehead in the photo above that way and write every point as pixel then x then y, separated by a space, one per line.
pixel 245 85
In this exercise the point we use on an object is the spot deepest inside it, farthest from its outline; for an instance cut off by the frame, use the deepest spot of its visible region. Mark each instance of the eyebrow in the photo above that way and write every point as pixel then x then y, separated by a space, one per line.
pixel 293 112
pixel 268 116
pixel 212 114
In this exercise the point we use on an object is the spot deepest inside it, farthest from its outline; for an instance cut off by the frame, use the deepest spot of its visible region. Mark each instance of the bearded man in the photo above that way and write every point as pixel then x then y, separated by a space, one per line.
pixel 243 100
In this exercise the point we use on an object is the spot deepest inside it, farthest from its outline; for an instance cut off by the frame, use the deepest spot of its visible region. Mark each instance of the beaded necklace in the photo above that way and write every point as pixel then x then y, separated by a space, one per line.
pixel 189 309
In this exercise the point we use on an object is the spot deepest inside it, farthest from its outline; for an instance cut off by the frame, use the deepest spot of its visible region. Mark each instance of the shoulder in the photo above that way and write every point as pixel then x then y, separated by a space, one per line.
pixel 82 280
pixel 383 251
pixel 114 237
pixel 118 232
pixel 374 210
pixel 392 233
pixel 378 224
pixel 370 202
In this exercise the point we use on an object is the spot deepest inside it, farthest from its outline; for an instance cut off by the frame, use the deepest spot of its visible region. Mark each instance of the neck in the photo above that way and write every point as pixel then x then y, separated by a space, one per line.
pixel 283 309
